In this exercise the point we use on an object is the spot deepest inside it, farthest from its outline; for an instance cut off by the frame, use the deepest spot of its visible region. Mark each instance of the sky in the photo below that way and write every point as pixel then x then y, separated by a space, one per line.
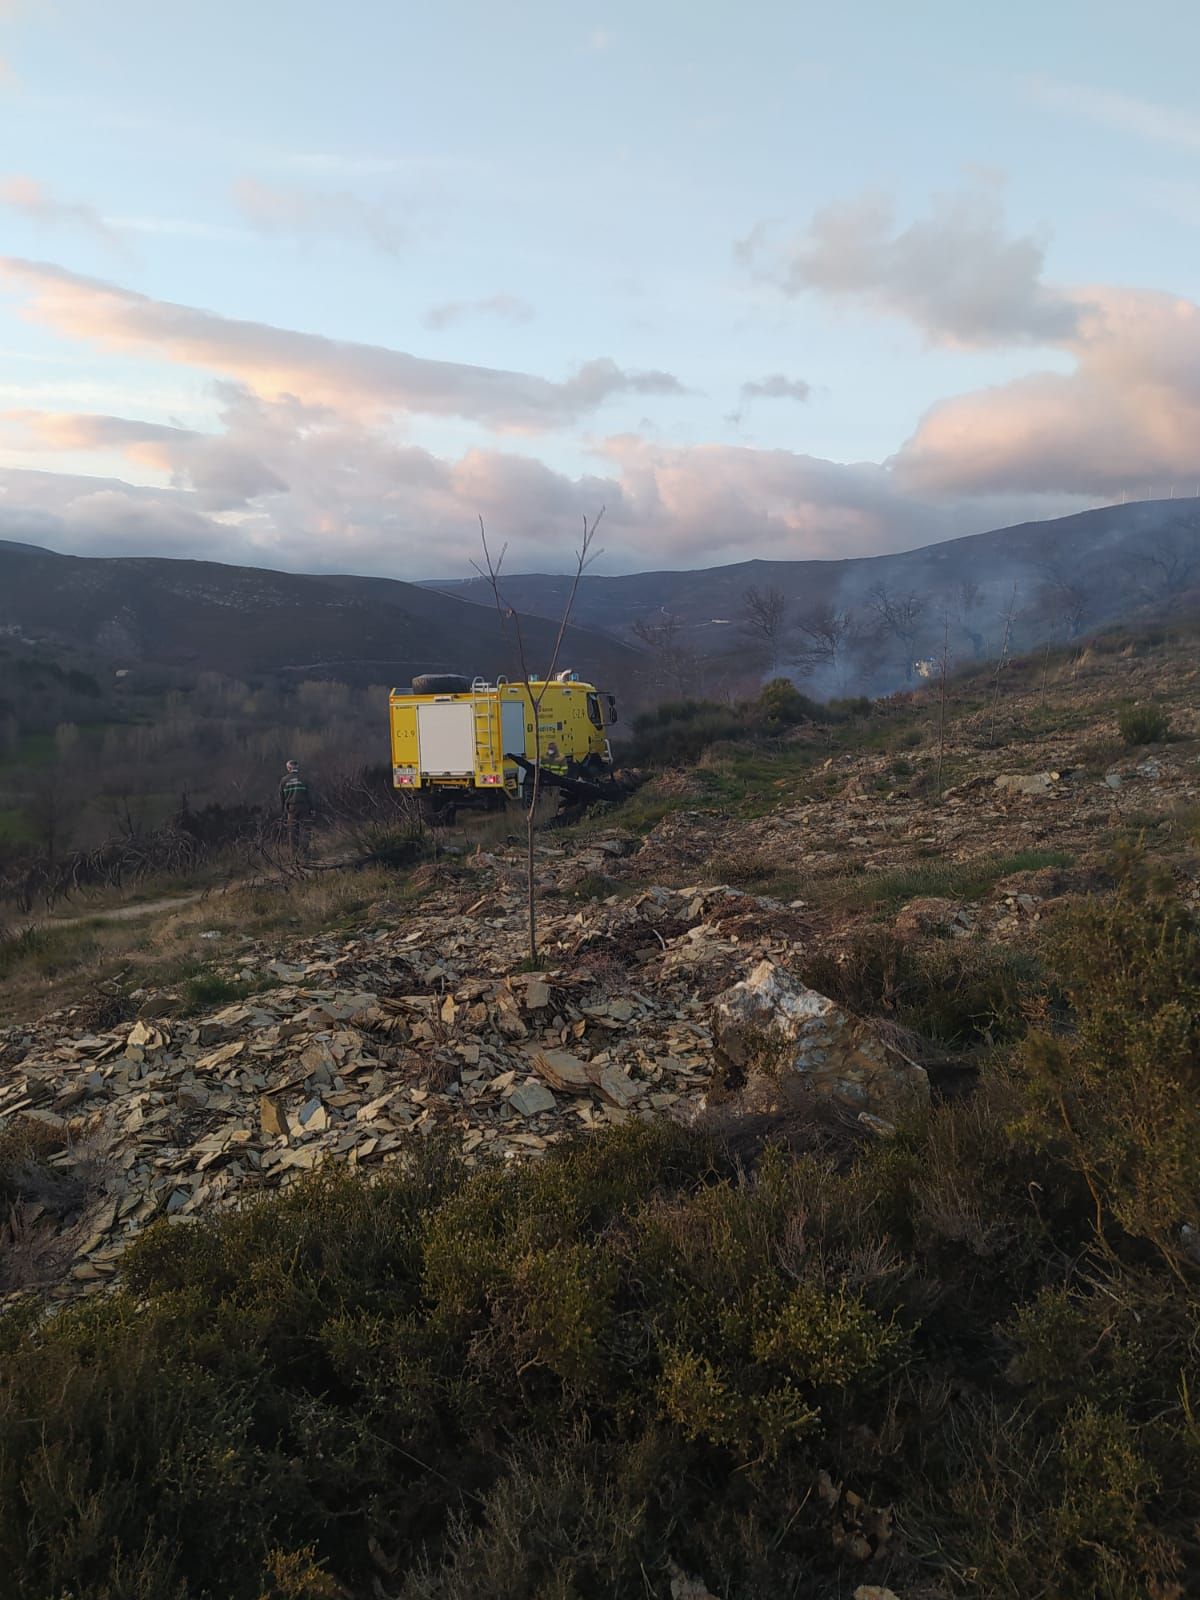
pixel 319 287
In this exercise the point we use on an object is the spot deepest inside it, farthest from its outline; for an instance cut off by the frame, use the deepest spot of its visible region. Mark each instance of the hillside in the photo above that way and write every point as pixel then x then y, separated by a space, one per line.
pixel 826 1204
pixel 245 622
pixel 1112 560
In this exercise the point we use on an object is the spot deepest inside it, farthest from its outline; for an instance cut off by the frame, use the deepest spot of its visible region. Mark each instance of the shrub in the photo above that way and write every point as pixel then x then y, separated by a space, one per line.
pixel 958 993
pixel 1119 1098
pixel 1143 724
pixel 638 1354
pixel 681 731
pixel 839 710
pixel 780 704
pixel 204 989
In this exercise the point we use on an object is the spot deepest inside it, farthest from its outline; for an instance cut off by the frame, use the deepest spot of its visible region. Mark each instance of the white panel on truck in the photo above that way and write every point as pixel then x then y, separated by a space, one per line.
pixel 446 735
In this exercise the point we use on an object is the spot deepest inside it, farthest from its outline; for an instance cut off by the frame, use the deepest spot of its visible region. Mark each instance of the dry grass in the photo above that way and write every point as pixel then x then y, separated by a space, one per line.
pixel 58 962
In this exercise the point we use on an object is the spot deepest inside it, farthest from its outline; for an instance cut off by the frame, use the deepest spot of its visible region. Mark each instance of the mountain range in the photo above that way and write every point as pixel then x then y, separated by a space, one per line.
pixel 195 616
pixel 1112 559
pixel 246 621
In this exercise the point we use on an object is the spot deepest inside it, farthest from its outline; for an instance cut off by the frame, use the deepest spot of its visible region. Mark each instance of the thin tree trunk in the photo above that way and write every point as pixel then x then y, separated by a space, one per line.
pixel 942 702
pixel 531 825
pixel 491 572
pixel 1008 622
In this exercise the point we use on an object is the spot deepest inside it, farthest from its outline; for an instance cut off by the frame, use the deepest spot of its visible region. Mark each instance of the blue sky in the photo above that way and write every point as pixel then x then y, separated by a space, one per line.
pixel 761 279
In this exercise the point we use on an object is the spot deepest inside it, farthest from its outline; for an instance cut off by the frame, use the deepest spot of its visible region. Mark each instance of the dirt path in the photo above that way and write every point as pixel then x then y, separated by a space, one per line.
pixel 143 908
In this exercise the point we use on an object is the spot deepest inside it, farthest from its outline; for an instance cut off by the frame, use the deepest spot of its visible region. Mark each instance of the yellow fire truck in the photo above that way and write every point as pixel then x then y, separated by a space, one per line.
pixel 462 741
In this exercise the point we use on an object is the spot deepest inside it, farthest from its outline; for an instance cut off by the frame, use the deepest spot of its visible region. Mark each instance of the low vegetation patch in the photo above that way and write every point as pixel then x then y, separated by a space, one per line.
pixel 959 993
pixel 52 963
pixel 952 880
pixel 960 1363
pixel 1144 724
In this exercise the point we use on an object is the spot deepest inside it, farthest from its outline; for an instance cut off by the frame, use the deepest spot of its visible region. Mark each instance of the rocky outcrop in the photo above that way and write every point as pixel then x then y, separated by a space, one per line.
pixel 774 1037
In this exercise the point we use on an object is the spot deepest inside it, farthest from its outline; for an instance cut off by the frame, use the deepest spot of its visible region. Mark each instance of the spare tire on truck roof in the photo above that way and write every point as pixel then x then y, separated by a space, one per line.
pixel 441 683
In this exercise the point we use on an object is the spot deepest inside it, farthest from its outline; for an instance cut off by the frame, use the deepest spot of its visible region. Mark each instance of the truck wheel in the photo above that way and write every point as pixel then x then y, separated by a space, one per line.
pixel 441 683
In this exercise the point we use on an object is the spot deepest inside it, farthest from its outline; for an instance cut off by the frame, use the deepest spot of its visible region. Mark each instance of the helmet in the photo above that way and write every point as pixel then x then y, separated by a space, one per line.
pixel 293 766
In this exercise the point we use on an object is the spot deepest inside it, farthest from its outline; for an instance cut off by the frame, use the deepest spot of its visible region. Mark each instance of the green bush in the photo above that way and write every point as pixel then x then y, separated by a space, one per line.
pixel 1144 724
pixel 1119 1097
pixel 681 731
pixel 958 993
pixel 780 704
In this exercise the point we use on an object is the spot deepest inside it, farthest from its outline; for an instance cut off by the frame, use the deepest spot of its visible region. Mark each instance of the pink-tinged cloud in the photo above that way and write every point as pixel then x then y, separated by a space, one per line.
pixel 278 362
pixel 316 490
pixel 222 473
pixel 1127 415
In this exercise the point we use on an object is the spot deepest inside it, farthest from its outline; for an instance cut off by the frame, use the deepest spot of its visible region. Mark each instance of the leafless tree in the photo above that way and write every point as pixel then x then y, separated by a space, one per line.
pixel 765 620
pixel 900 615
pixel 1064 599
pixel 828 635
pixel 535 688
pixel 674 660
pixel 1166 565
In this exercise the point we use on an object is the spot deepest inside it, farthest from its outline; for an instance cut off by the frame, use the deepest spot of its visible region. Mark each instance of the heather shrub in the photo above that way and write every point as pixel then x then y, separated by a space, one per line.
pixel 680 731
pixel 780 704
pixel 960 1360
pixel 1143 724
pixel 958 993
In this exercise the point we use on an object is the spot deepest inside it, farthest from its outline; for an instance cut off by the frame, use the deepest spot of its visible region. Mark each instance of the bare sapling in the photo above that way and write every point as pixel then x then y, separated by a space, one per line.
pixel 535 688
pixel 1001 660
pixel 1050 637
pixel 943 674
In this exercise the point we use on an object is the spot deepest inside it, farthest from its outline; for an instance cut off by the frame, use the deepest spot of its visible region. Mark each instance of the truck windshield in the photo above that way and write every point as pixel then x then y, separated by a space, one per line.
pixel 593 710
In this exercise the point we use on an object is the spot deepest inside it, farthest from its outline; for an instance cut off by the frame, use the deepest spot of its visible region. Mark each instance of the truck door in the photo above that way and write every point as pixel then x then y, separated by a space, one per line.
pixel 512 726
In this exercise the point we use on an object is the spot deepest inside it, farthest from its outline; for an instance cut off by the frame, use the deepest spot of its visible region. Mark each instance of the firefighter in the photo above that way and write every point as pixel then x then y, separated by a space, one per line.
pixel 296 808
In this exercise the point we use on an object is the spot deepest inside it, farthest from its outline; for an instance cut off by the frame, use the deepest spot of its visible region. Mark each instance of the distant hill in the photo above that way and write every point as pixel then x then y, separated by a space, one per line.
pixel 243 621
pixel 1068 575
pixel 1117 558
pixel 15 544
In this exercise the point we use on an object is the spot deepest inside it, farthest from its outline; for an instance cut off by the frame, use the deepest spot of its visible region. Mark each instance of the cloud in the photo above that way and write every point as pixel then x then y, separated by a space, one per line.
pixel 509 307
pixel 312 489
pixel 1122 112
pixel 106 516
pixel 222 472
pixel 34 201
pixel 954 274
pixel 274 362
pixel 296 212
pixel 1127 414
pixel 601 40
pixel 776 387
pixel 8 10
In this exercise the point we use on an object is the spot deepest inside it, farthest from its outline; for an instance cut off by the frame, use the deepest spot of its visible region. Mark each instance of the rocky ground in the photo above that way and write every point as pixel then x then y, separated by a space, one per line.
pixel 349 1047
